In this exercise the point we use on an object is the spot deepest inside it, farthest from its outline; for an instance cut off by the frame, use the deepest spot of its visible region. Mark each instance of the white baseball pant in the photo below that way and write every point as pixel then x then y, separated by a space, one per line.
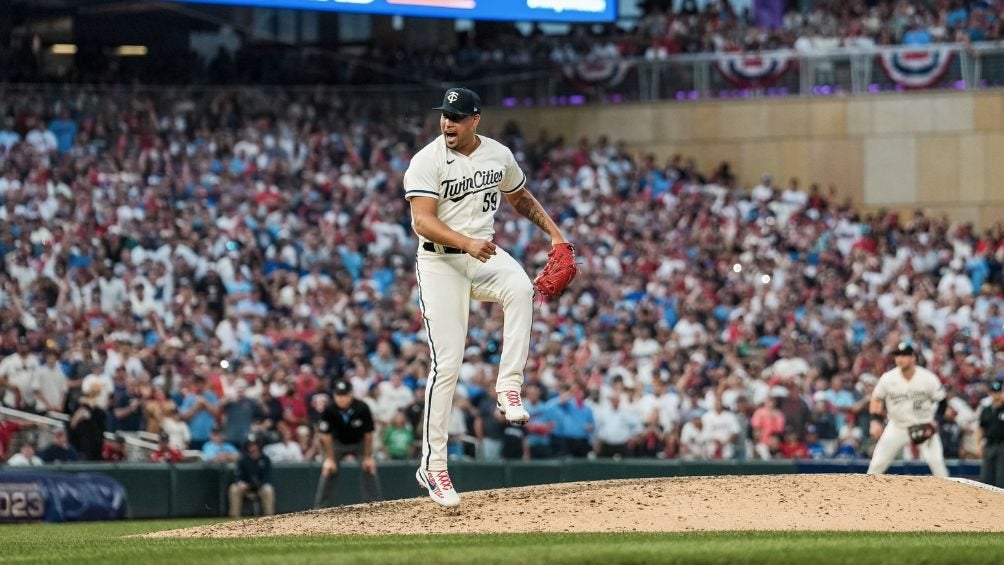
pixel 447 284
pixel 894 438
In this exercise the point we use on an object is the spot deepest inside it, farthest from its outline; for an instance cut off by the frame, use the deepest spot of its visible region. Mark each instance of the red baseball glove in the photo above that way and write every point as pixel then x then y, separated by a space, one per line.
pixel 558 272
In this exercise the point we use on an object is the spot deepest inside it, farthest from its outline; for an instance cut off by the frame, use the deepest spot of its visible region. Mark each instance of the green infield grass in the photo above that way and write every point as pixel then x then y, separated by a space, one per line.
pixel 104 543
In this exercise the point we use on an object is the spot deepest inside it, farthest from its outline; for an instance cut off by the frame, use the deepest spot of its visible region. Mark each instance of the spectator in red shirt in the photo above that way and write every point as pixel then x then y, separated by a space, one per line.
pixel 768 421
pixel 7 430
pixel 164 452
pixel 792 448
pixel 114 450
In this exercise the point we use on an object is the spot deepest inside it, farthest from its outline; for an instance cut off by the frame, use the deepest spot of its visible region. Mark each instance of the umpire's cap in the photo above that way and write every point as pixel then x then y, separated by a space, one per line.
pixel 461 101
pixel 342 387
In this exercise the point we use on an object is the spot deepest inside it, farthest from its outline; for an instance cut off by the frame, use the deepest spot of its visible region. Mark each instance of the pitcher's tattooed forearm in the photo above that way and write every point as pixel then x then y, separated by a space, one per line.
pixel 528 206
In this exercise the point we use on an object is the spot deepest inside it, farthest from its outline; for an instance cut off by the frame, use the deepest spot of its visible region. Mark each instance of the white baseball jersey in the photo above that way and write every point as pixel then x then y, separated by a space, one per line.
pixel 468 191
pixel 467 187
pixel 910 402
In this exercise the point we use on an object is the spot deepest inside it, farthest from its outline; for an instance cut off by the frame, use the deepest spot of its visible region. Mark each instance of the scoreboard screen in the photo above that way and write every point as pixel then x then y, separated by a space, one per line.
pixel 508 10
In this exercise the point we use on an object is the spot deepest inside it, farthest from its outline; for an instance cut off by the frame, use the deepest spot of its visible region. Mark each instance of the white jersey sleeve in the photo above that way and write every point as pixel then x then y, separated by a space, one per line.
pixel 422 176
pixel 881 390
pixel 515 178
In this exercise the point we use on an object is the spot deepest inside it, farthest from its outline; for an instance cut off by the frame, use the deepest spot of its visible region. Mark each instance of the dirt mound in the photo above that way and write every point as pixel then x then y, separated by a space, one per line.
pixel 768 502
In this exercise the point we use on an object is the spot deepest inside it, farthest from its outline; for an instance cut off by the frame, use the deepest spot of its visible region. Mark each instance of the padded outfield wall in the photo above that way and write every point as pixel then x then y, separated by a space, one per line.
pixel 935 150
pixel 200 490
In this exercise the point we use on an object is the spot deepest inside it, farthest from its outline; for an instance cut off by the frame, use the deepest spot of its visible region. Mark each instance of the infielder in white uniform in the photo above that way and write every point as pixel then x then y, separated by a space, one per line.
pixel 911 395
pixel 454 185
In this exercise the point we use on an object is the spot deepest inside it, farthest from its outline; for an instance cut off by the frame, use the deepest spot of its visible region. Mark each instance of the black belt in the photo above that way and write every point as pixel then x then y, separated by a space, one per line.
pixel 429 246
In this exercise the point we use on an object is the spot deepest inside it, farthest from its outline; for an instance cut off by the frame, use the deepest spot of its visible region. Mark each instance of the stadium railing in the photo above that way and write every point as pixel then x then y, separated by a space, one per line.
pixel 840 71
pixel 138 444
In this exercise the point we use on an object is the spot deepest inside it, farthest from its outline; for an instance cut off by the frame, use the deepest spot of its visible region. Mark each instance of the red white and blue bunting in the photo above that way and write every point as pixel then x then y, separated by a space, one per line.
pixel 916 69
pixel 753 70
pixel 598 71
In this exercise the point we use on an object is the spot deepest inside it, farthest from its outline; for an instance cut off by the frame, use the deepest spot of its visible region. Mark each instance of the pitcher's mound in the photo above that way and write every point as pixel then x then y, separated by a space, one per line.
pixel 766 502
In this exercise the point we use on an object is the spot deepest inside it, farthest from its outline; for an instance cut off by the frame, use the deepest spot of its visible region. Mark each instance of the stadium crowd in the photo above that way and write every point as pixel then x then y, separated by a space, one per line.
pixel 204 265
pixel 666 28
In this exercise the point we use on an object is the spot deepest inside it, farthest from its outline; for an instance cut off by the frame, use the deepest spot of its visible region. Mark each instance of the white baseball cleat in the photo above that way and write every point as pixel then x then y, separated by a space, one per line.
pixel 510 404
pixel 439 487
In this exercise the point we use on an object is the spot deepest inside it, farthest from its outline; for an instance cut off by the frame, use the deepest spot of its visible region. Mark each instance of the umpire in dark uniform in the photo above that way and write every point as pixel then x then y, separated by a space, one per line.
pixel 346 428
pixel 992 427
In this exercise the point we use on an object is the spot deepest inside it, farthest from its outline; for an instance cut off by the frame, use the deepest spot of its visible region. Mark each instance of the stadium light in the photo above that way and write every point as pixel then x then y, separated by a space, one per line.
pixel 63 49
pixel 131 50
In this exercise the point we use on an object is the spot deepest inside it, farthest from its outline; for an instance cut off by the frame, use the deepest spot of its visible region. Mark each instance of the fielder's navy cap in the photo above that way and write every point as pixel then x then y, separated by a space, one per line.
pixel 904 348
pixel 997 386
pixel 461 101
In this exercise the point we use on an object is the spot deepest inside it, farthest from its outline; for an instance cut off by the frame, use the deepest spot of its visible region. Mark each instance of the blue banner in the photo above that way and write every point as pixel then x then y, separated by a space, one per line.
pixel 507 10
pixel 27 496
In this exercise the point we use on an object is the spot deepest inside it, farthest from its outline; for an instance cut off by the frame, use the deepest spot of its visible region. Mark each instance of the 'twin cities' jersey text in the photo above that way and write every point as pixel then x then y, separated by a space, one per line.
pixel 457 189
pixel 468 188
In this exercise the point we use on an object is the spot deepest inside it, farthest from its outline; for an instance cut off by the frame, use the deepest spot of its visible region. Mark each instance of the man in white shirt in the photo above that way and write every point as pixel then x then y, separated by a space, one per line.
pixel 695 443
pixel 285 450
pixel 661 405
pixel 689 332
pixel 765 190
pixel 911 395
pixel 395 393
pixel 616 426
pixel 20 368
pixel 722 427
pixel 50 384
pixel 113 292
pixel 25 457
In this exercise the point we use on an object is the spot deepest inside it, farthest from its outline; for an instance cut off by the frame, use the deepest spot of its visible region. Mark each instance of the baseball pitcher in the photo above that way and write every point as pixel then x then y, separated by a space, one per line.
pixel 455 185
pixel 911 395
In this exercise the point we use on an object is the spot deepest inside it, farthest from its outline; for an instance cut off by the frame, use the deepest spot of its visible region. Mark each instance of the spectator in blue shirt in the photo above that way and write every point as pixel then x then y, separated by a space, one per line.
pixel 839 397
pixel 199 410
pixel 917 35
pixel 573 422
pixel 816 449
pixel 218 451
pixel 65 130
pixel 541 424
pixel 8 136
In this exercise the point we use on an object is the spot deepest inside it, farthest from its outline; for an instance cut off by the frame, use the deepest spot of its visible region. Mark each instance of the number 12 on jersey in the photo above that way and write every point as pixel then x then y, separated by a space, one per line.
pixel 491 202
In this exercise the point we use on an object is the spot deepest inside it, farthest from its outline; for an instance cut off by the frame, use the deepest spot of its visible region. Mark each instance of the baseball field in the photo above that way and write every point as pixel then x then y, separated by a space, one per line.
pixel 769 519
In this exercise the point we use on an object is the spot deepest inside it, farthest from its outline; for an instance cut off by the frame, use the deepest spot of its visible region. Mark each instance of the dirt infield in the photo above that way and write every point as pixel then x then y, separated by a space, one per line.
pixel 686 504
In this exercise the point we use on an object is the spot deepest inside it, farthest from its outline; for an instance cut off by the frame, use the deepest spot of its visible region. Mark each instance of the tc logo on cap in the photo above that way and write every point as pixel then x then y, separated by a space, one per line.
pixel 452 96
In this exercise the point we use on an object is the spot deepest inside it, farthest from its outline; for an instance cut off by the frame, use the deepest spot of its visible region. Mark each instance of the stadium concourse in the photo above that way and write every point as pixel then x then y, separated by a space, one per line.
pixel 258 241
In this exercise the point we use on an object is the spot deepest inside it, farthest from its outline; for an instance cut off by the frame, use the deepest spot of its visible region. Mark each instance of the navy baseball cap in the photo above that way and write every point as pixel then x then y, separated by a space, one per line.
pixel 904 348
pixel 997 386
pixel 342 387
pixel 461 101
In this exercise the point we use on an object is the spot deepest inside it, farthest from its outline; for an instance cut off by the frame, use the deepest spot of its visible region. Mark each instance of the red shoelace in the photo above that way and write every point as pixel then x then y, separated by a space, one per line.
pixel 512 396
pixel 442 479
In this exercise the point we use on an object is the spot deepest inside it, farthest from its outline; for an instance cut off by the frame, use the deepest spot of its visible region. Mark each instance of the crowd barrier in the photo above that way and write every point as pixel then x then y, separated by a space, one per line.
pixel 199 490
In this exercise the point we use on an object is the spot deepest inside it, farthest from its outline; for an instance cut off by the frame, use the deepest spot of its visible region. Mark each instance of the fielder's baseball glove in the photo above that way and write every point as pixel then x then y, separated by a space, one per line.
pixel 558 272
pixel 921 432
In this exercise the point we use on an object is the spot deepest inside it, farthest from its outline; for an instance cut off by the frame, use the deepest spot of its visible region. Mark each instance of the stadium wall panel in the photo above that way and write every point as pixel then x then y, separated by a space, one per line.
pixel 199 490
pixel 933 150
